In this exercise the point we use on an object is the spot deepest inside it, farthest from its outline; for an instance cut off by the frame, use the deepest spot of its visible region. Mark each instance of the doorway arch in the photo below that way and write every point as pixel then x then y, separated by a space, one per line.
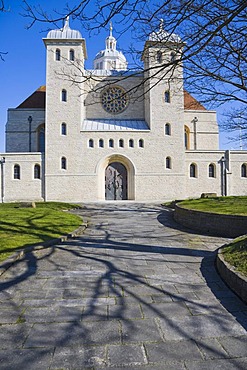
pixel 116 172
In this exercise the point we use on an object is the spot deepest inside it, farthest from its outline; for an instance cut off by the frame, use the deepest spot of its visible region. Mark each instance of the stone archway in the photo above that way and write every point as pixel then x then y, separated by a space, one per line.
pixel 116 178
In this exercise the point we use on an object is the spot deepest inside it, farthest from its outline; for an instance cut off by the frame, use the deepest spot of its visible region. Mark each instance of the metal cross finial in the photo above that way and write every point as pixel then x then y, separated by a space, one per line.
pixel 66 24
pixel 161 24
pixel 111 28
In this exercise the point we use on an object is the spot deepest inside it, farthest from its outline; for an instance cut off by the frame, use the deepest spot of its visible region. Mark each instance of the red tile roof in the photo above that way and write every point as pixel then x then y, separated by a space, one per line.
pixel 37 100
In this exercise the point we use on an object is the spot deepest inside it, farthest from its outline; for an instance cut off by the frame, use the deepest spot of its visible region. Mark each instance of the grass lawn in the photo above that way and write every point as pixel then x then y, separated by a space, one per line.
pixel 235 253
pixel 223 205
pixel 21 226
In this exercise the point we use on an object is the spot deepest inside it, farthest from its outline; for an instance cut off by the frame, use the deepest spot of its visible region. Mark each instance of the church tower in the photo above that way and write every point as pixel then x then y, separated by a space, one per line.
pixel 164 100
pixel 66 53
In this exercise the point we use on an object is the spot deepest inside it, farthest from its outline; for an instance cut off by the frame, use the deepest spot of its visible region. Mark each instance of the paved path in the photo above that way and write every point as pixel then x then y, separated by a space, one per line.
pixel 134 292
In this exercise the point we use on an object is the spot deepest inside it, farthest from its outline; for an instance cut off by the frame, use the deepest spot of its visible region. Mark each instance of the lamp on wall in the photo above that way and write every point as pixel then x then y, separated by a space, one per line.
pixel 30 119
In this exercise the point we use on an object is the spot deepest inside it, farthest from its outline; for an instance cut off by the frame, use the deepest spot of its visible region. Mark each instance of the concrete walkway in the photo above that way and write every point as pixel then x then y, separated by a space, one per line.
pixel 134 292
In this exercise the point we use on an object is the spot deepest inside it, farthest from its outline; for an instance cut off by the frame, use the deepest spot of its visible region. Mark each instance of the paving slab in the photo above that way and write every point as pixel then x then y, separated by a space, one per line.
pixel 135 291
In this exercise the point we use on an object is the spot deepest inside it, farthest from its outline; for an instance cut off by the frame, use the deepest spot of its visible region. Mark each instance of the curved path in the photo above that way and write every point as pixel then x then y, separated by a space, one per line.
pixel 135 291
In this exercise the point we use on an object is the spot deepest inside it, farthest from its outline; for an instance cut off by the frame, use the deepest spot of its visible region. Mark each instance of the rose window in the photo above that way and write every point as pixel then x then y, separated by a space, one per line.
pixel 114 99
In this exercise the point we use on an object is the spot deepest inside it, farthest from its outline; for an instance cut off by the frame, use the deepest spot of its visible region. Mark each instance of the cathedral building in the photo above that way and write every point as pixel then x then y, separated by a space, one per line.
pixel 115 134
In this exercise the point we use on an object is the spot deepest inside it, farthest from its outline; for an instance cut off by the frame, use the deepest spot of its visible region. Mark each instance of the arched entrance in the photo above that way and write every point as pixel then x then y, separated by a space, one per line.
pixel 116 182
pixel 116 178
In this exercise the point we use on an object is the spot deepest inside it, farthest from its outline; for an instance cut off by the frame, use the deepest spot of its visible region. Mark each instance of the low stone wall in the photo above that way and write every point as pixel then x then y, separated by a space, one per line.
pixel 236 281
pixel 229 226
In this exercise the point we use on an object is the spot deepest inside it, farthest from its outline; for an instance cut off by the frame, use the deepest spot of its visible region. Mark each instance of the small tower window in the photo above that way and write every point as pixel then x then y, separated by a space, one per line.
pixel 63 163
pixel 121 143
pixel 131 143
pixel 211 170
pixel 167 129
pixel 101 143
pixel 187 137
pixel 193 170
pixel 167 96
pixel 244 170
pixel 159 56
pixel 36 172
pixel 64 95
pixel 90 143
pixel 72 55
pixel 111 143
pixel 58 54
pixel 168 163
pixel 141 143
pixel 63 129
pixel 17 172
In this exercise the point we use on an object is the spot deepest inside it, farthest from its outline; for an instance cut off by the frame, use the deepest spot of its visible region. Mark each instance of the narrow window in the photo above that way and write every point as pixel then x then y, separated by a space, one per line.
pixel 193 170
pixel 72 55
pixel 173 56
pixel 63 129
pixel 187 137
pixel 167 129
pixel 141 143
pixel 159 56
pixel 168 162
pixel 101 143
pixel 90 143
pixel 111 143
pixel 58 54
pixel 131 143
pixel 167 96
pixel 17 172
pixel 211 170
pixel 244 170
pixel 64 95
pixel 121 143
pixel 63 163
pixel 36 171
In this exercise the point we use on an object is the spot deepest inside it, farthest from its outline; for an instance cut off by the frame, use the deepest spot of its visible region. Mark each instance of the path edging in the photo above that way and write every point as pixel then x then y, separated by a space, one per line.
pixel 236 281
pixel 5 265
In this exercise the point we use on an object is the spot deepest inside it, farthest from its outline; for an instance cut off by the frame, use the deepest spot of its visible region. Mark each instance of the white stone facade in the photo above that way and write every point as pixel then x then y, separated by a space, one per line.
pixel 151 142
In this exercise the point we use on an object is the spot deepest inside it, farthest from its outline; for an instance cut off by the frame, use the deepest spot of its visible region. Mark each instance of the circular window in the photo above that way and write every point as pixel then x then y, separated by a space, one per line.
pixel 114 99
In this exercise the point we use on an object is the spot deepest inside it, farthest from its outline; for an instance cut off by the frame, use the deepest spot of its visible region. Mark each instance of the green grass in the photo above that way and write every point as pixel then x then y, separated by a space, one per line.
pixel 222 205
pixel 235 253
pixel 22 226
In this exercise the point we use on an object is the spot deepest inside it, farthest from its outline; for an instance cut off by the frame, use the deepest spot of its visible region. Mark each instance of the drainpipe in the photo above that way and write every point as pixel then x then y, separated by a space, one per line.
pixel 194 121
pixel 30 119
pixel 2 161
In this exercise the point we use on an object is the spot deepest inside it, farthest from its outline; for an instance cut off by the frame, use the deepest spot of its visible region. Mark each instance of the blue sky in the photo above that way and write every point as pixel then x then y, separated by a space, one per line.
pixel 23 70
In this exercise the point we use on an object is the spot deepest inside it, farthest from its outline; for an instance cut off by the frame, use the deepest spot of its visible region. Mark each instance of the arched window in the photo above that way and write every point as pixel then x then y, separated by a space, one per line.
pixel 168 163
pixel 244 170
pixel 173 56
pixel 63 129
pixel 90 143
pixel 211 170
pixel 141 143
pixel 72 55
pixel 167 129
pixel 58 54
pixel 36 172
pixel 111 143
pixel 131 143
pixel 186 137
pixel 101 143
pixel 167 96
pixel 17 172
pixel 121 143
pixel 64 95
pixel 159 56
pixel 63 163
pixel 41 138
pixel 193 170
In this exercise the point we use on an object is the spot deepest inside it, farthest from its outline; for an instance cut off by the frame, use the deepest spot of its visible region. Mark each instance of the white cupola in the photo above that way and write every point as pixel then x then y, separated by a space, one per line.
pixel 110 58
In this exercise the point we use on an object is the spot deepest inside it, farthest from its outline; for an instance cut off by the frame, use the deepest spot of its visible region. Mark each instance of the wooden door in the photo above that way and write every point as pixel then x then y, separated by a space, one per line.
pixel 116 182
